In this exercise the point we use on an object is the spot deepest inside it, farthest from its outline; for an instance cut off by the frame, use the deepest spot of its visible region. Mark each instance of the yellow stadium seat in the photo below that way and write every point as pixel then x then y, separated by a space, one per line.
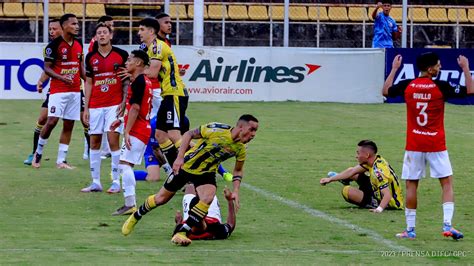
pixel 298 13
pixel 55 10
pixel 13 10
pixel 238 12
pixel 276 12
pixel 178 11
pixel 191 12
pixel 437 15
pixel 258 12
pixel 76 9
pixel 338 13
pixel 31 9
pixel 95 10
pixel 1 10
pixel 217 11
pixel 470 14
pixel 395 13
pixel 358 14
pixel 313 13
pixel 453 14
pixel 418 14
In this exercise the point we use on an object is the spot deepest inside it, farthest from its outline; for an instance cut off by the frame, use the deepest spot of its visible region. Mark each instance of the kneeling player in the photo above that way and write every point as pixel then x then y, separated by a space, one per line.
pixel 385 186
pixel 211 227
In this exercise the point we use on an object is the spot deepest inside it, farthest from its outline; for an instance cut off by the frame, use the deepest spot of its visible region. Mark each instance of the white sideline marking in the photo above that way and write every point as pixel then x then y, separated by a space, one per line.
pixel 327 217
pixel 163 250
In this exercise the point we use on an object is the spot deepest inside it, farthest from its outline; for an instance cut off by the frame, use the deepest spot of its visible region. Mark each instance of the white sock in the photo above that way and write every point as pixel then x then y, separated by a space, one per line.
pixel 104 147
pixel 86 146
pixel 128 181
pixel 41 143
pixel 62 153
pixel 448 211
pixel 115 158
pixel 410 215
pixel 94 162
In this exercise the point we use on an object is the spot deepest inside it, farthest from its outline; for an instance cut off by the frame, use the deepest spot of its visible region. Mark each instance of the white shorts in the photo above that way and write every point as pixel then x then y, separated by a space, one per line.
pixel 414 165
pixel 155 103
pixel 135 154
pixel 213 212
pixel 65 105
pixel 101 118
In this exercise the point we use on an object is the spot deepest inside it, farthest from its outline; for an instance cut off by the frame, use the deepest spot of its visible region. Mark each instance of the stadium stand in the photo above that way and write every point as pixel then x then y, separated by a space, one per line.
pixel 470 14
pixel 418 14
pixel 299 13
pixel 276 12
pixel 95 10
pixel 258 12
pixel 437 15
pixel 178 11
pixel 1 10
pixel 31 9
pixel 457 14
pixel 191 12
pixel 318 12
pixel 217 11
pixel 13 10
pixel 73 8
pixel 338 13
pixel 358 14
pixel 238 12
pixel 55 10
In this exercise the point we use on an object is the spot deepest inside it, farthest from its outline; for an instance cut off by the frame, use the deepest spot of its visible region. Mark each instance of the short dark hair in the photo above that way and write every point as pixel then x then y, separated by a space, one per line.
pixel 142 55
pixel 150 23
pixel 387 2
pixel 53 20
pixel 368 144
pixel 248 118
pixel 100 25
pixel 65 18
pixel 426 60
pixel 105 19
pixel 161 15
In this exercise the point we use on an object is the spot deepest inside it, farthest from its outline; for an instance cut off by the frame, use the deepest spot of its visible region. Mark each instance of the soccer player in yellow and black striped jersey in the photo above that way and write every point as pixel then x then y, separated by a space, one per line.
pixel 217 143
pixel 385 185
pixel 175 97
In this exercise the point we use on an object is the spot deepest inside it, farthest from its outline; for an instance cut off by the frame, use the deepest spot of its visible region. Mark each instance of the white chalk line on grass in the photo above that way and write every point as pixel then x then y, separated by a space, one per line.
pixel 327 217
pixel 168 250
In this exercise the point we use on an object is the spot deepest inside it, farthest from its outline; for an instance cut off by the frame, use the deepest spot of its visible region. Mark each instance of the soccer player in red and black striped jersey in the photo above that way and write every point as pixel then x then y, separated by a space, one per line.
pixel 137 126
pixel 64 64
pixel 109 22
pixel 425 136
pixel 105 95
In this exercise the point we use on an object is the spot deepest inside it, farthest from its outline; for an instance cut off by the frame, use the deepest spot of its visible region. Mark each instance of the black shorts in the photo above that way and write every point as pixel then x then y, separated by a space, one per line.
pixel 171 113
pixel 46 101
pixel 369 200
pixel 83 101
pixel 177 182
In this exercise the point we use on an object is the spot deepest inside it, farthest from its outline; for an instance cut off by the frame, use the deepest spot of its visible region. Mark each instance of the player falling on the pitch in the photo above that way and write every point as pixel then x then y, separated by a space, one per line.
pixel 216 143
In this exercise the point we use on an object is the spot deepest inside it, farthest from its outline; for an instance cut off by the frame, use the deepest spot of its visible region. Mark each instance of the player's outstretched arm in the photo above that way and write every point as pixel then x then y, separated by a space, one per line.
pixel 231 217
pixel 238 173
pixel 351 171
pixel 397 62
pixel 463 62
pixel 374 13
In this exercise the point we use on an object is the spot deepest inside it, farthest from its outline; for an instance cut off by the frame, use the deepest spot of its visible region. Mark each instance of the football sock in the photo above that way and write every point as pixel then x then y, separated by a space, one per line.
pixel 410 215
pixel 197 214
pixel 62 153
pixel 36 136
pixel 128 181
pixel 167 168
pixel 140 175
pixel 114 164
pixel 145 207
pixel 169 151
pixel 41 143
pixel 221 170
pixel 448 211
pixel 94 162
pixel 87 137
pixel 178 144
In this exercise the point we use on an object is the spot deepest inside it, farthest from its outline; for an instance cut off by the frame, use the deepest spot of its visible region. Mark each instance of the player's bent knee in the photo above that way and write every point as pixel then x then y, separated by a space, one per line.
pixel 345 193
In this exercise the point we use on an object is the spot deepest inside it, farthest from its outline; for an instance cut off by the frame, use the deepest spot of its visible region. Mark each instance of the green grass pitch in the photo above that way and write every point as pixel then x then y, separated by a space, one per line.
pixel 286 217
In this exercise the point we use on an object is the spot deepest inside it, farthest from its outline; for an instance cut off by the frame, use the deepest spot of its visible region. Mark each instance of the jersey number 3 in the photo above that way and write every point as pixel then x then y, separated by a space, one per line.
pixel 422 118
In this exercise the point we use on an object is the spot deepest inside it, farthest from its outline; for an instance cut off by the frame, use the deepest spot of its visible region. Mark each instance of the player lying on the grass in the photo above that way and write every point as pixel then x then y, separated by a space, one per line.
pixel 217 143
pixel 211 227
pixel 385 188
pixel 425 135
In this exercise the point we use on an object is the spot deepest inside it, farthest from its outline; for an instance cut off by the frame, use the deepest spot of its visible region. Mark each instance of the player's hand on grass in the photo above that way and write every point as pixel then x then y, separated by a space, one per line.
pixel 86 116
pixel 463 62
pixel 115 124
pixel 397 62
pixel 325 181
pixel 178 163
pixel 377 210
pixel 126 139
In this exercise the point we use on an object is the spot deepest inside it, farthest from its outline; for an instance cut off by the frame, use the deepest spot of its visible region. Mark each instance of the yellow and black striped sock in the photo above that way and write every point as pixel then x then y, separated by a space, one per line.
pixel 169 151
pixel 36 136
pixel 145 207
pixel 197 214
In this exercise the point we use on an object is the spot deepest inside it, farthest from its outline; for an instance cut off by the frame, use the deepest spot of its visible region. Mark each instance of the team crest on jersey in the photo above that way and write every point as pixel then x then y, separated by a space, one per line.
pixel 48 51
pixel 143 46
pixel 53 109
pixel 104 88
